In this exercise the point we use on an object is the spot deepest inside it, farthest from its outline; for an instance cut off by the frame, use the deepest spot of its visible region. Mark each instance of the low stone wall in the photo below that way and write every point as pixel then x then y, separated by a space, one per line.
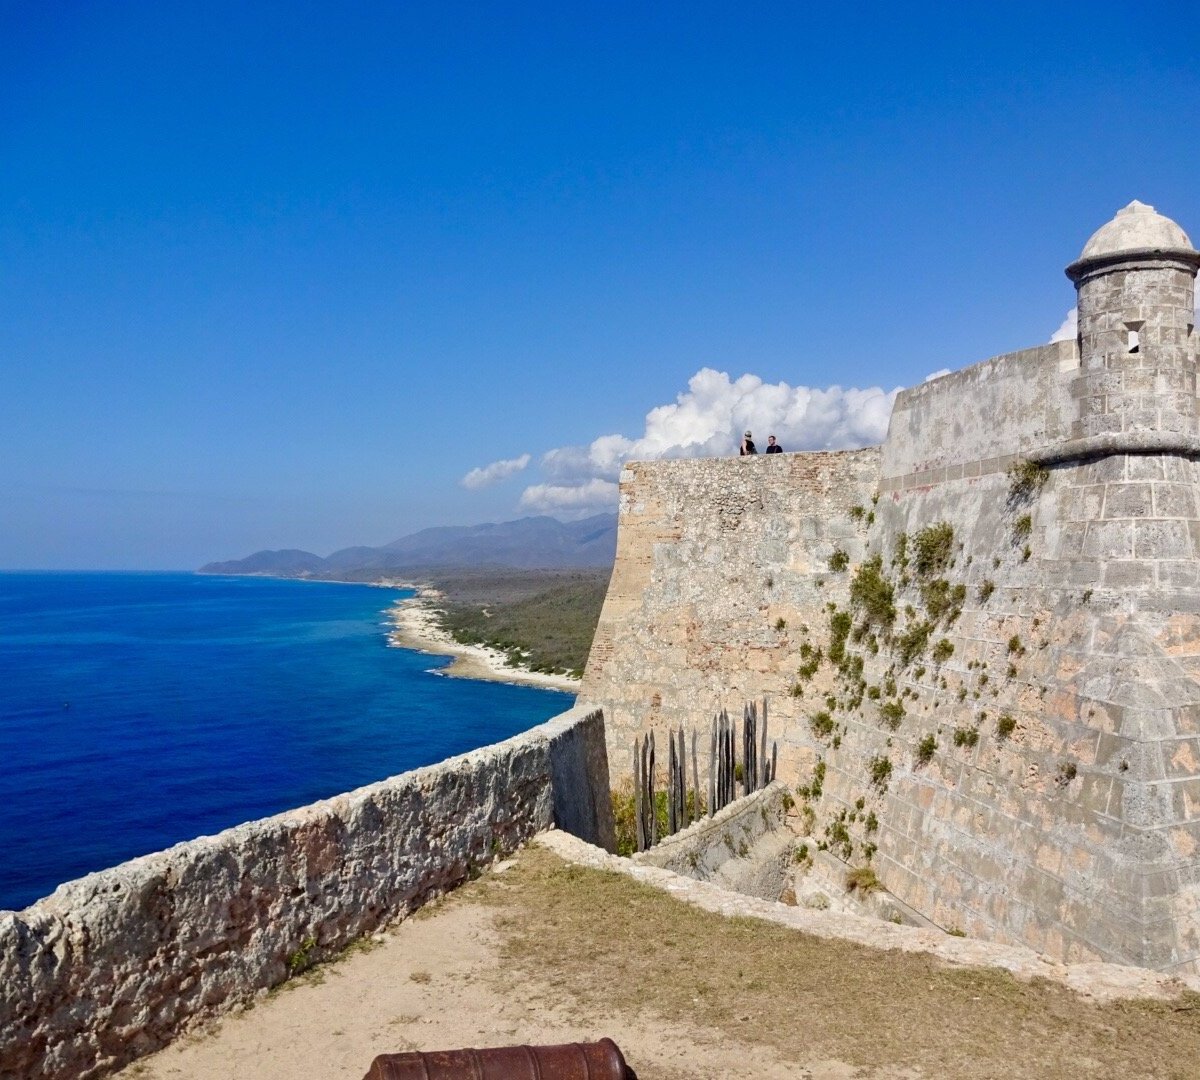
pixel 745 846
pixel 114 965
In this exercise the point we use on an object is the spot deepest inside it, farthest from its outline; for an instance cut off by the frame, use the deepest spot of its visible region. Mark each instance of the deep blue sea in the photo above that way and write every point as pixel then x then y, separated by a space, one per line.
pixel 138 710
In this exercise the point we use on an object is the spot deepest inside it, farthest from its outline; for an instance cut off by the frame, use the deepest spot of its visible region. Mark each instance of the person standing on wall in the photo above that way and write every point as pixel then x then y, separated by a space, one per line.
pixel 772 446
pixel 747 447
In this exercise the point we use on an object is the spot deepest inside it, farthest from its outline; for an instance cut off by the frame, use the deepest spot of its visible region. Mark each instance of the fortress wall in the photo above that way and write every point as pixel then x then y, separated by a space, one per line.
pixel 978 420
pixel 1074 827
pixel 114 965
pixel 711 555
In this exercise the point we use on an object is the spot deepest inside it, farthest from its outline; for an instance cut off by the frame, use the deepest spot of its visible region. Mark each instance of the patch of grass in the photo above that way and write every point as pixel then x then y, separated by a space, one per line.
pixel 880 770
pixel 973 1022
pixel 1022 527
pixel 986 588
pixel 839 560
pixel 926 748
pixel 1014 645
pixel 781 623
pixel 301 959
pixel 1005 726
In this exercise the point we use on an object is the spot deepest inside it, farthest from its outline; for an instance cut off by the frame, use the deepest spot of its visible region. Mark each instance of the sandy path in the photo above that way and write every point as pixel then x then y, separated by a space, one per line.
pixel 416 626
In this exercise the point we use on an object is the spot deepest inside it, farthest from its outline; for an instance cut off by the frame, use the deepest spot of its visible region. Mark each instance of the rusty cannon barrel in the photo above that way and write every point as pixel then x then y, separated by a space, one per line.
pixel 569 1061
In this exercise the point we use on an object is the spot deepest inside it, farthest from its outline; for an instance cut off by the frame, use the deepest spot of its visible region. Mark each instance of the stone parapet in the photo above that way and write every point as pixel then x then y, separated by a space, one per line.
pixel 112 966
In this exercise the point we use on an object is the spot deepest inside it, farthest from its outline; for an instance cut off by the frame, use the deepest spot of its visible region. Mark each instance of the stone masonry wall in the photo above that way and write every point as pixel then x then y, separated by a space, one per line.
pixel 994 697
pixel 720 564
pixel 115 964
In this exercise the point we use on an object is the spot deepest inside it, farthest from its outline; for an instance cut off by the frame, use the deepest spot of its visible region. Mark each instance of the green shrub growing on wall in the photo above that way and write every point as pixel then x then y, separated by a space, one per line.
pixel 812 660
pixel 873 593
pixel 966 736
pixel 913 641
pixel 1026 479
pixel 880 770
pixel 892 712
pixel 863 880
pixel 821 724
pixel 934 549
pixel 839 560
pixel 986 588
pixel 1005 726
pixel 925 749
pixel 943 650
pixel 839 629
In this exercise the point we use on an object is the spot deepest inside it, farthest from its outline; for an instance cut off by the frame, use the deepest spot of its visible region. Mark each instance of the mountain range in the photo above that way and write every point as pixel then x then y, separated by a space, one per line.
pixel 529 543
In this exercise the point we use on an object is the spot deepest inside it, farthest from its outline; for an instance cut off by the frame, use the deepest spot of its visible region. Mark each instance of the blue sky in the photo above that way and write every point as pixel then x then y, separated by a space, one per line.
pixel 282 275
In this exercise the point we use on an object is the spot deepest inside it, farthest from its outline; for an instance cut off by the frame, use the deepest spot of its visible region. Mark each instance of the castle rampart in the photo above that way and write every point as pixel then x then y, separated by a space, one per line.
pixel 987 631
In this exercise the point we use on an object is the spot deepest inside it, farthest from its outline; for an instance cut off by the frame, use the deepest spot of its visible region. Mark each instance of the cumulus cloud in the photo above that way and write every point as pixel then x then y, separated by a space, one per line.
pixel 708 420
pixel 591 496
pixel 1068 329
pixel 487 475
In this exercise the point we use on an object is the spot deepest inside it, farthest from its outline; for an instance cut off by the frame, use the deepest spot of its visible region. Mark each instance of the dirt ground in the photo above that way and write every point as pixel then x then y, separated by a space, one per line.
pixel 542 951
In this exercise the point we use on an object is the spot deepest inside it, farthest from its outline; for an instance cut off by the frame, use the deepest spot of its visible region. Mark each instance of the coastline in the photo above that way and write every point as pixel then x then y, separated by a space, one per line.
pixel 416 626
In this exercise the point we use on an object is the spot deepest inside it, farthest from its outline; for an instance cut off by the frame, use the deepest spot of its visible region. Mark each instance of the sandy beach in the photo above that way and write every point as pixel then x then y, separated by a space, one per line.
pixel 416 626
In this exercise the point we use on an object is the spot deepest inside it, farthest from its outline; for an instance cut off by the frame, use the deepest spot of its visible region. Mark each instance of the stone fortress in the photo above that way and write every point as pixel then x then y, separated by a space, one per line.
pixel 980 642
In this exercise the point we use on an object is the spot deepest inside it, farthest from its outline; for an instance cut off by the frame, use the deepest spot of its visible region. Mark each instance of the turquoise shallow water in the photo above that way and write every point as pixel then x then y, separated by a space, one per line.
pixel 138 710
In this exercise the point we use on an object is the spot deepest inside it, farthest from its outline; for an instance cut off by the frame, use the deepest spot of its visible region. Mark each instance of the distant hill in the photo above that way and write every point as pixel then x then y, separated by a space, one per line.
pixel 529 543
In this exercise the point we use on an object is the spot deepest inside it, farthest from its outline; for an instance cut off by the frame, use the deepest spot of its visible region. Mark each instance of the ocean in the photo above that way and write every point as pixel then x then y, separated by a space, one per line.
pixel 139 710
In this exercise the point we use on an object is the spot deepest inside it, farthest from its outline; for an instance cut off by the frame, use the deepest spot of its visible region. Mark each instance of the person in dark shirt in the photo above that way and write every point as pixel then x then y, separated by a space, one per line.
pixel 772 446
pixel 747 446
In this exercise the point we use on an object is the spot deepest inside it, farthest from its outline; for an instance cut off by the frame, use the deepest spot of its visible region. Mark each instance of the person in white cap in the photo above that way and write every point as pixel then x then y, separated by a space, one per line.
pixel 748 446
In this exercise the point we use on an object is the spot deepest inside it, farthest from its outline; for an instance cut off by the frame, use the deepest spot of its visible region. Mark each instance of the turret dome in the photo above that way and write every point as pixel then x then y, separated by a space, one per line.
pixel 1137 227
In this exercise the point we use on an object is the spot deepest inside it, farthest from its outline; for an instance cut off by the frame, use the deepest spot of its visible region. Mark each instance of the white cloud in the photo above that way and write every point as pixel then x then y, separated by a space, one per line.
pixel 707 420
pixel 937 374
pixel 494 473
pixel 592 496
pixel 1068 329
